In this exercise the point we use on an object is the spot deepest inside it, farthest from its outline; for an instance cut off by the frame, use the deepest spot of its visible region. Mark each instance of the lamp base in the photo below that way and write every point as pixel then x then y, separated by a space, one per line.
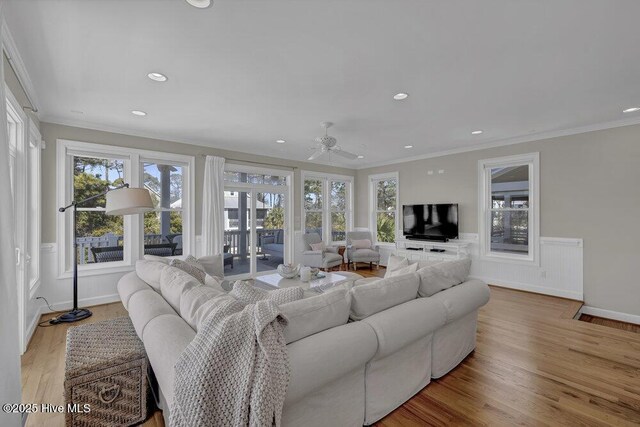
pixel 72 316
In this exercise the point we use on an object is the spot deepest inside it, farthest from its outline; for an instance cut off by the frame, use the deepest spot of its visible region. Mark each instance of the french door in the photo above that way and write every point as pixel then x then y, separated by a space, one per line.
pixel 24 170
pixel 257 219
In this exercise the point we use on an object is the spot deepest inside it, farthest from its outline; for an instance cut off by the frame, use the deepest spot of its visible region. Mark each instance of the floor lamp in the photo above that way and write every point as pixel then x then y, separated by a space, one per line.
pixel 121 200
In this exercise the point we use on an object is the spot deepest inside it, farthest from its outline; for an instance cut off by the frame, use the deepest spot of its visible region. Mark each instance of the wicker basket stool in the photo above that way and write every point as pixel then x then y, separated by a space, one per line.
pixel 106 367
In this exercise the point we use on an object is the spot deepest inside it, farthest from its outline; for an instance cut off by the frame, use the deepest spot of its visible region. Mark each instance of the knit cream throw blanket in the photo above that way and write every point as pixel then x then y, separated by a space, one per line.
pixel 235 372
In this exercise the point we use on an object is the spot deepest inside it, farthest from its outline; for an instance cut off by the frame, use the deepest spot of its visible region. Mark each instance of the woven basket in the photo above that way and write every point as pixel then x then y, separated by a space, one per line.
pixel 106 368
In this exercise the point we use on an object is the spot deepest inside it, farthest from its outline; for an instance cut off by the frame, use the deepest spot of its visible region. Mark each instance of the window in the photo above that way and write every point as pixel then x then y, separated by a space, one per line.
pixel 384 207
pixel 327 205
pixel 163 225
pixel 97 231
pixel 115 242
pixel 509 207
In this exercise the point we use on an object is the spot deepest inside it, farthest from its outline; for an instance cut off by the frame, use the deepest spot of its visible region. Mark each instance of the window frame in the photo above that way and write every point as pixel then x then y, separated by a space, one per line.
pixel 327 179
pixel 485 209
pixel 133 159
pixel 373 205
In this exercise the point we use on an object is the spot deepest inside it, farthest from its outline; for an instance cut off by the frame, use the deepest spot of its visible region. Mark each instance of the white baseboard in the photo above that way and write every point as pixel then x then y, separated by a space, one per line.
pixel 32 326
pixel 609 314
pixel 531 288
pixel 84 302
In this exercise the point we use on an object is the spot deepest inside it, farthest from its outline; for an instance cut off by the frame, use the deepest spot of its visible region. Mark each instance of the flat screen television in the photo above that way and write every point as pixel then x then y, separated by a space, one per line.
pixel 430 221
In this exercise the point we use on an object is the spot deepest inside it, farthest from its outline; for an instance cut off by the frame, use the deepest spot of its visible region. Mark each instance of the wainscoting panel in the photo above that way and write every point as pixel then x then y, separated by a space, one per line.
pixel 560 272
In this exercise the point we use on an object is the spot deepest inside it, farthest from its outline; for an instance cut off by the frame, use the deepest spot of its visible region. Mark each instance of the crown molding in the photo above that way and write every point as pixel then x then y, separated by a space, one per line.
pixel 15 60
pixel 510 141
pixel 484 146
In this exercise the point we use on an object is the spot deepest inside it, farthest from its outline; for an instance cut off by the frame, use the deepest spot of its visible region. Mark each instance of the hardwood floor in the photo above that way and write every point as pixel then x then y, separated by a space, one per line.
pixel 533 365
pixel 610 323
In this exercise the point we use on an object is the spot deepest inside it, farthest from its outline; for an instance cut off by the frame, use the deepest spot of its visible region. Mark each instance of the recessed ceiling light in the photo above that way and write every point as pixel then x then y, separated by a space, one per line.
pixel 361 156
pixel 476 132
pixel 408 146
pixel 280 141
pixel 200 4
pixel 158 77
pixel 400 96
pixel 138 113
pixel 631 110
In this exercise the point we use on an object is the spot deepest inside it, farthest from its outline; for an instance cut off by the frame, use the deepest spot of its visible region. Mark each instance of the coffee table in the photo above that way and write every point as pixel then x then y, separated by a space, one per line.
pixel 319 285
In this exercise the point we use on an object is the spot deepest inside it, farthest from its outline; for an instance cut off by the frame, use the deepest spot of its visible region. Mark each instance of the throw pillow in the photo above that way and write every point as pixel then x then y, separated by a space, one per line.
pixel 157 259
pixel 395 263
pixel 193 299
pixel 174 282
pixel 402 271
pixel 190 267
pixel 361 244
pixel 212 265
pixel 249 294
pixel 317 246
pixel 149 272
pixel 442 276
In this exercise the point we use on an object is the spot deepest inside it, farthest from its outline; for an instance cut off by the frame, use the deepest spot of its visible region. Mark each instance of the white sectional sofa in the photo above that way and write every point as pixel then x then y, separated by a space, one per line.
pixel 356 353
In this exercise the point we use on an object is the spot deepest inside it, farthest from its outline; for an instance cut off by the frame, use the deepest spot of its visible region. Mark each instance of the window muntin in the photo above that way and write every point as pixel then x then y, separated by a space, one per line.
pixel 254 178
pixel 338 198
pixel 313 206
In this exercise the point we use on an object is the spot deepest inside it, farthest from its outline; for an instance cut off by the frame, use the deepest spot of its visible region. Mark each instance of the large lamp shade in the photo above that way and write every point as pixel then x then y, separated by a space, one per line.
pixel 127 201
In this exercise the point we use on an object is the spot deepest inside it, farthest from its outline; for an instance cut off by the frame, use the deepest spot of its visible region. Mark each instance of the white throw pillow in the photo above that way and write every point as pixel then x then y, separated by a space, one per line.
pixel 249 294
pixel 395 263
pixel 212 265
pixel 309 316
pixel 442 276
pixel 402 271
pixel 214 282
pixel 361 244
pixel 317 246
pixel 174 283
pixel 149 271
pixel 382 294
pixel 157 259
pixel 191 301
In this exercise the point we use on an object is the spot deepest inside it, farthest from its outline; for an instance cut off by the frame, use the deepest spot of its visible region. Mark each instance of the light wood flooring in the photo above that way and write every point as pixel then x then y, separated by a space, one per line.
pixel 534 365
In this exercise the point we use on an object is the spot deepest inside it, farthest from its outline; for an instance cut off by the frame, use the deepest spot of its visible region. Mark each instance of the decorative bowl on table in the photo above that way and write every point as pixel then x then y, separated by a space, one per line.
pixel 288 271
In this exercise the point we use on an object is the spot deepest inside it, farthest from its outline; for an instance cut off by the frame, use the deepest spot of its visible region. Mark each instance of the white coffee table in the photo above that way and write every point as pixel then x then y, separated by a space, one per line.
pixel 319 285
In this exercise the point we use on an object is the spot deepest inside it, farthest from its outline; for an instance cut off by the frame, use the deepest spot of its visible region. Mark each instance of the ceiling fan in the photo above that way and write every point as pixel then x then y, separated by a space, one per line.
pixel 327 144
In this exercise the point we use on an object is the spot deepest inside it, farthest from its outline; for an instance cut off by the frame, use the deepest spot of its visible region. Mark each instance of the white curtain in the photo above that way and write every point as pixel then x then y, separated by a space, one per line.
pixel 213 206
pixel 10 390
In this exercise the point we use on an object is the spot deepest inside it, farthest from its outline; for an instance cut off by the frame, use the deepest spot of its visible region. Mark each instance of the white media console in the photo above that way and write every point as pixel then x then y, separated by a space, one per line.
pixel 423 250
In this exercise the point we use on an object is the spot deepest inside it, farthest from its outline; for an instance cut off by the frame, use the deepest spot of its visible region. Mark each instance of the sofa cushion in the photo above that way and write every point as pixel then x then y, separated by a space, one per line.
pixel 144 306
pixel 128 285
pixel 463 299
pixel 149 271
pixel 173 283
pixel 249 294
pixel 317 246
pixel 396 263
pixel 402 271
pixel 315 314
pixel 442 276
pixel 214 282
pixel 373 297
pixel 192 299
pixel 191 266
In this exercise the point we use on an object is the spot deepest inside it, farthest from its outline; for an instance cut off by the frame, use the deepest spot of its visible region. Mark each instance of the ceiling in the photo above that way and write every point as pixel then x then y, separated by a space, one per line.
pixel 243 74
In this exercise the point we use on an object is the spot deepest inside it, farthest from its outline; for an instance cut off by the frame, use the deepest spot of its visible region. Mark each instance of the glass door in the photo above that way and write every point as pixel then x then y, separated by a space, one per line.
pixel 256 220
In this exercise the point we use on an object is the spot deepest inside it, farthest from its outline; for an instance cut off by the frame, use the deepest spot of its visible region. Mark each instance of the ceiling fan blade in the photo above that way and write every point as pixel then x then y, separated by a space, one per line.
pixel 345 154
pixel 316 154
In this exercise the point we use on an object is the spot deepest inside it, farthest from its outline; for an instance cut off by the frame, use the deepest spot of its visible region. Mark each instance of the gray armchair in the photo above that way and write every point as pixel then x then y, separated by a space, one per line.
pixel 369 255
pixel 319 259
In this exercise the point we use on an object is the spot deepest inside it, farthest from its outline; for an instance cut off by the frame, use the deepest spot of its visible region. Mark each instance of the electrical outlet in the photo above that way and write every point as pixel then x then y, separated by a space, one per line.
pixel 429 172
